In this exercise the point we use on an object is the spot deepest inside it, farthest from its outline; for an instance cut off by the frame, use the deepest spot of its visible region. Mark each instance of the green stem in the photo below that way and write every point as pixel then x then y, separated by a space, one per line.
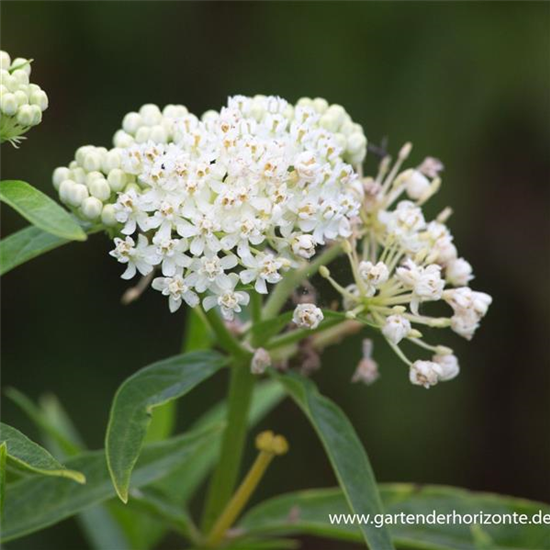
pixel 292 280
pixel 225 339
pixel 226 474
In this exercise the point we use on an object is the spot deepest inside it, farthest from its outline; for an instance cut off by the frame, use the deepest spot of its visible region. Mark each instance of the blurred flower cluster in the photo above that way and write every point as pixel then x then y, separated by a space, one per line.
pixel 21 102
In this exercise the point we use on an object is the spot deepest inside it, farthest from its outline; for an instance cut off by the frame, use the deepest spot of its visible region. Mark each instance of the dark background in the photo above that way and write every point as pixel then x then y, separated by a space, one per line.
pixel 466 82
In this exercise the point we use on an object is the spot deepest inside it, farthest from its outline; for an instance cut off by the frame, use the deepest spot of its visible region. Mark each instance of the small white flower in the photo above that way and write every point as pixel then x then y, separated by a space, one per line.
pixel 404 221
pixel 141 257
pixel 373 275
pixel 172 252
pixel 261 361
pixel 449 366
pixel 229 300
pixel 396 328
pixel 261 268
pixel 425 282
pixel 128 210
pixel 458 272
pixel 209 270
pixel 464 300
pixel 177 289
pixel 307 316
pixel 425 373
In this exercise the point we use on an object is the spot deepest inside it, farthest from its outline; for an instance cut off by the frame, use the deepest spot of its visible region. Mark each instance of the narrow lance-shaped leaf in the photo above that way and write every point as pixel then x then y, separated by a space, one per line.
pixel 138 395
pixel 36 502
pixel 309 512
pixel 40 210
pixel 345 452
pixel 29 243
pixel 25 454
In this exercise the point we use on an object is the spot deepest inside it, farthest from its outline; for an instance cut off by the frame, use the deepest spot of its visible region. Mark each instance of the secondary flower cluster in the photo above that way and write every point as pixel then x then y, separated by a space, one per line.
pixel 400 262
pixel 234 198
pixel 21 103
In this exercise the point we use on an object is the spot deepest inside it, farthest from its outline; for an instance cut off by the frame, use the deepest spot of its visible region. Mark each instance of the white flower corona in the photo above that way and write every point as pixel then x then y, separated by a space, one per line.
pixel 396 328
pixel 307 316
pixel 21 103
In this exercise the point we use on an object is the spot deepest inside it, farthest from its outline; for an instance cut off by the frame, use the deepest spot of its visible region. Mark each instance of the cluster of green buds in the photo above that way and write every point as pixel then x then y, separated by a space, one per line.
pixel 21 102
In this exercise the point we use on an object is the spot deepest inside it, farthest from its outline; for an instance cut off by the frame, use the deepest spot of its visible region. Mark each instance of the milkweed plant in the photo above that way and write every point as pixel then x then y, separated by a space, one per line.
pixel 234 217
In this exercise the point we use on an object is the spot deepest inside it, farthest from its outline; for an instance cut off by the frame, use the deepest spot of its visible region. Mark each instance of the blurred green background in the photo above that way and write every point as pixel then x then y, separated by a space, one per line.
pixel 466 82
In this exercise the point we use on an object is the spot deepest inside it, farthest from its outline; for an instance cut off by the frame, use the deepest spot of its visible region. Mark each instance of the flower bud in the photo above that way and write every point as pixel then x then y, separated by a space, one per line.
pixel 76 194
pixel 5 60
pixel 143 134
pixel 40 99
pixel 122 139
pixel 21 77
pixel 60 174
pixel 8 104
pixel 150 114
pixel 417 185
pixel 174 111
pixel 357 143
pixel 131 123
pixel 320 105
pixel 158 134
pixel 449 366
pixel 108 215
pixel 92 161
pixel 29 115
pixel 99 188
pixel 260 361
pixel 91 208
pixel 303 245
pixel 117 179
pixel 21 64
pixel 307 316
pixel 458 272
pixel 65 189
pixel 21 97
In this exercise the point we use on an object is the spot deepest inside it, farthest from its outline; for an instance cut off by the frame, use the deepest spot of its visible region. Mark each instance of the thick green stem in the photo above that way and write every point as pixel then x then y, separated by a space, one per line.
pixel 292 280
pixel 226 474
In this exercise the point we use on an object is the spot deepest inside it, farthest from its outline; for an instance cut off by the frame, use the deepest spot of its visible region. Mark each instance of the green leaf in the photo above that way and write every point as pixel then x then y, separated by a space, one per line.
pixel 40 210
pixel 101 530
pixel 307 513
pixel 138 395
pixel 3 458
pixel 36 502
pixel 345 452
pixel 27 455
pixel 24 245
pixel 43 420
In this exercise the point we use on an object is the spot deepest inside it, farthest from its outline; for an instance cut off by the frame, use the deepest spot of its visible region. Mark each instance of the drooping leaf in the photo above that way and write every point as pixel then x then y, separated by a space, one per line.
pixel 138 395
pixel 345 452
pixel 40 210
pixel 309 512
pixel 36 502
pixel 43 421
pixel 29 456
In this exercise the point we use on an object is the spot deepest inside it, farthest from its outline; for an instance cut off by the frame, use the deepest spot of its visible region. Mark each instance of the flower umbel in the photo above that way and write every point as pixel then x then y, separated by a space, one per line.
pixel 21 102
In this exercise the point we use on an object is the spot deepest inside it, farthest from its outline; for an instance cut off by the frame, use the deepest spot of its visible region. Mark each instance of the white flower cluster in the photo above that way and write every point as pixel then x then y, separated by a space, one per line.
pixel 234 198
pixel 401 262
pixel 21 103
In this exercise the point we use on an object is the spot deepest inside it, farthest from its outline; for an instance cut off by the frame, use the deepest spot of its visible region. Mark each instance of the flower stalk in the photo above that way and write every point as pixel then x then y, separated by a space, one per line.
pixel 269 445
